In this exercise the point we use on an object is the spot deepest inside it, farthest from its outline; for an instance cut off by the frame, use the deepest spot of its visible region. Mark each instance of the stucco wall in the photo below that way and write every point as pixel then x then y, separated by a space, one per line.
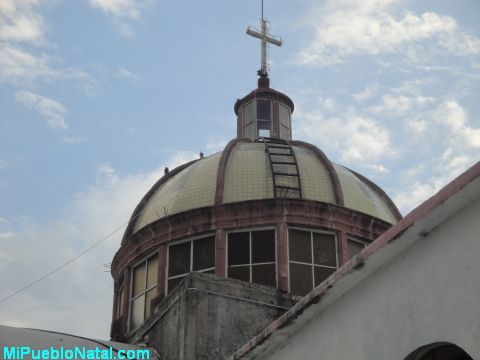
pixel 429 293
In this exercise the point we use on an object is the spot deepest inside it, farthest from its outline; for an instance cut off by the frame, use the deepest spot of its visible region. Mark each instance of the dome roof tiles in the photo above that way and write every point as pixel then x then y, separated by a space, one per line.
pixel 248 177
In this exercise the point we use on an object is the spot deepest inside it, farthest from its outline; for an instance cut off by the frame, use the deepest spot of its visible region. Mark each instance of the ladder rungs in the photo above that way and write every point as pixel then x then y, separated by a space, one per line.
pixel 286 147
pixel 287 187
pixel 280 154
pixel 283 163
pixel 283 174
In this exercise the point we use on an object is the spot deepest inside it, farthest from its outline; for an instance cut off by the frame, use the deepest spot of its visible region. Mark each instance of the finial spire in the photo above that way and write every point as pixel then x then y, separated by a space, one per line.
pixel 266 38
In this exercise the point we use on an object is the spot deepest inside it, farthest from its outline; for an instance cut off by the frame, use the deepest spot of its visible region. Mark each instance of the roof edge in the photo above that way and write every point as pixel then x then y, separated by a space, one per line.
pixel 138 209
pixel 420 212
pixel 380 192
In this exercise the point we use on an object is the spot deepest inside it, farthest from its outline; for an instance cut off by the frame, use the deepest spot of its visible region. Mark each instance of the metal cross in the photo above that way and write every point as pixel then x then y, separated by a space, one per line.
pixel 266 39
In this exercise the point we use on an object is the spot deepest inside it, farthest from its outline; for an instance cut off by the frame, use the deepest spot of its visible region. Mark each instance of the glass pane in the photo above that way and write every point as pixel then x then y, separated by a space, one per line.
pixel 204 253
pixel 264 133
pixel 299 245
pixel 138 308
pixel 354 248
pixel 148 299
pixel 324 252
pixel 239 272
pixel 179 259
pixel 321 274
pixel 284 116
pixel 264 275
pixel 238 248
pixel 263 109
pixel 248 114
pixel 152 271
pixel 300 279
pixel 120 303
pixel 138 280
pixel 248 133
pixel 263 246
pixel 174 282
pixel 284 132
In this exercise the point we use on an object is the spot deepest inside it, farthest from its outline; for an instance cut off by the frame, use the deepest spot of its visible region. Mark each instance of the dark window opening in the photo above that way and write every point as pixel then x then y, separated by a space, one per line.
pixel 194 255
pixel 312 259
pixel 264 109
pixel 251 256
pixel 144 289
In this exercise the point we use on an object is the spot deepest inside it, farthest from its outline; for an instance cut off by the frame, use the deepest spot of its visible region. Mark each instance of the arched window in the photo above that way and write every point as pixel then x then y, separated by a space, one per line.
pixel 439 351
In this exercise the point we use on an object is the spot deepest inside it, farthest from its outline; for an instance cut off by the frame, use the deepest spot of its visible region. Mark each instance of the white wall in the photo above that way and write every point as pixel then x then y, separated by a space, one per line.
pixel 429 293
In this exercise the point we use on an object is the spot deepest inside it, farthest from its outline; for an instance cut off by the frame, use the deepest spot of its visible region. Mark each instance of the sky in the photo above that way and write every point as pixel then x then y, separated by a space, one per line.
pixel 98 96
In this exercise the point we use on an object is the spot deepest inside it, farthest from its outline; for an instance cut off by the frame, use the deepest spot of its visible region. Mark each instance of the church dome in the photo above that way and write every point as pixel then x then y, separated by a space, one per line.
pixel 267 210
pixel 246 174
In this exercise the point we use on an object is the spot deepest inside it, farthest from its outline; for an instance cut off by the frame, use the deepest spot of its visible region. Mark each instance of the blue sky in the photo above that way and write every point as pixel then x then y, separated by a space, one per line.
pixel 97 96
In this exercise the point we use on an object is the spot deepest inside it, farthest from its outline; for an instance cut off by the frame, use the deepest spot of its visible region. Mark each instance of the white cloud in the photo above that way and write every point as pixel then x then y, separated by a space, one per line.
pixel 19 21
pixel 450 141
pixel 73 139
pixel 92 213
pixel 7 235
pixel 400 104
pixel 127 74
pixel 216 145
pixel 375 27
pixel 366 94
pixel 355 138
pixel 50 109
pixel 119 8
pixel 123 12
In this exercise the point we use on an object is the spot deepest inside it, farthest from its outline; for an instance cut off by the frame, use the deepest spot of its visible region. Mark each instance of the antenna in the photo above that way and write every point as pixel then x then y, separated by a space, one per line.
pixel 262 9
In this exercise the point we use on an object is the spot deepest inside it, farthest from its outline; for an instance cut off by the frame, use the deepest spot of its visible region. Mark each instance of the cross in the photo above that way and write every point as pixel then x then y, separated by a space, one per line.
pixel 266 39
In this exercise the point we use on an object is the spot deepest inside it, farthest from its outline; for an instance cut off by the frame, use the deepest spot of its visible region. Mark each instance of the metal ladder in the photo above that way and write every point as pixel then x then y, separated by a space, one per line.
pixel 284 167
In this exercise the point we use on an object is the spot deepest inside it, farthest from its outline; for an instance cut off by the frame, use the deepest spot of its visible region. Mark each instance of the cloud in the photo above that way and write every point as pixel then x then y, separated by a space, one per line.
pixel 73 139
pixel 366 94
pixel 400 104
pixel 448 145
pixel 50 109
pixel 354 137
pixel 83 287
pixel 374 27
pixel 119 8
pixel 123 12
pixel 19 21
pixel 127 74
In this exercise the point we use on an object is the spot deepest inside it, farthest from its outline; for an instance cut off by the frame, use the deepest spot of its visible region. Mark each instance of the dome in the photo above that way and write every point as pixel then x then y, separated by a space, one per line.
pixel 246 174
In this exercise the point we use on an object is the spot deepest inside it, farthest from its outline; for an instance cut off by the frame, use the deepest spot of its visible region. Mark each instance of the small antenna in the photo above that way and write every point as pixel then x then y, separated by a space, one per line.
pixel 262 9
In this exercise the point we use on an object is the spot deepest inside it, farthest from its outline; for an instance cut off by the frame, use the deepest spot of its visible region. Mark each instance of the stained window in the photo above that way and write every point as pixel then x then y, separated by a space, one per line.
pixel 193 255
pixel 144 289
pixel 251 256
pixel 312 259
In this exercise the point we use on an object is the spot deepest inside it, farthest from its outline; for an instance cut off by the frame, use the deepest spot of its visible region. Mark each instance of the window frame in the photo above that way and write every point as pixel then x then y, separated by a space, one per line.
pixel 250 230
pixel 312 265
pixel 182 241
pixel 364 243
pixel 130 298
pixel 120 300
